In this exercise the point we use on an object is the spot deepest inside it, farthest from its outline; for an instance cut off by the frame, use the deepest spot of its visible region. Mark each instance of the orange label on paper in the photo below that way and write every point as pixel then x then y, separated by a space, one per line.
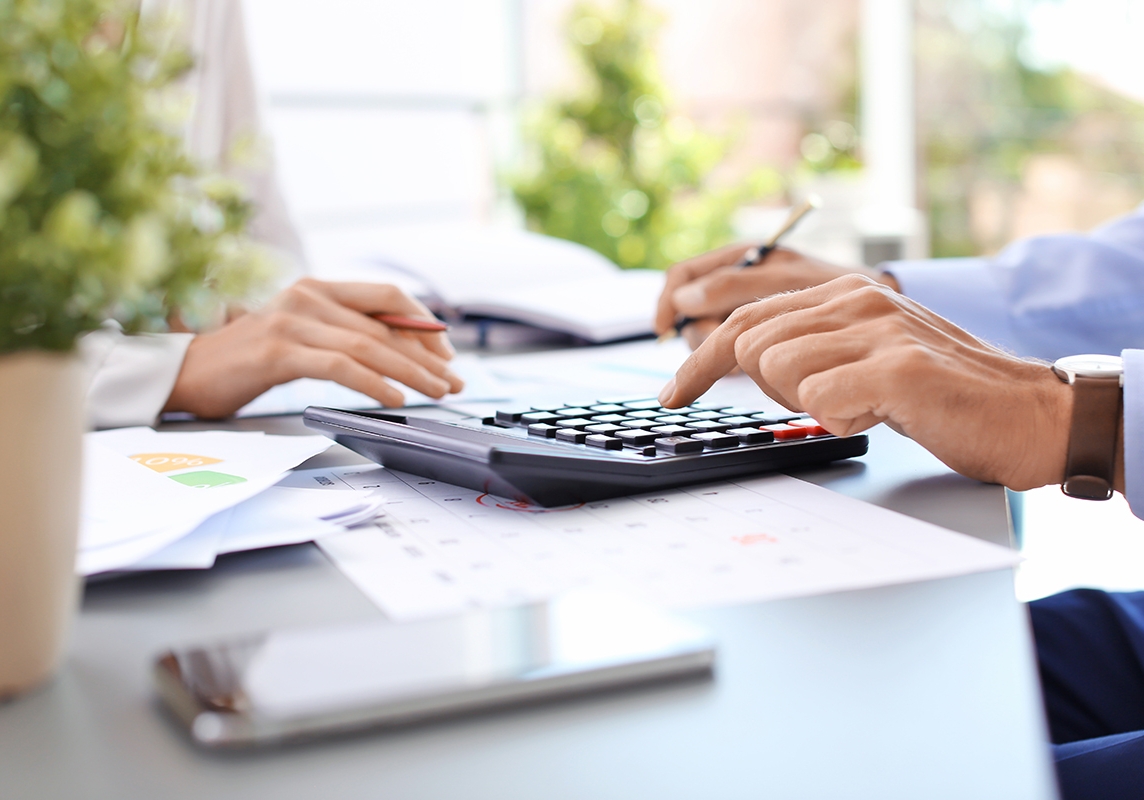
pixel 169 462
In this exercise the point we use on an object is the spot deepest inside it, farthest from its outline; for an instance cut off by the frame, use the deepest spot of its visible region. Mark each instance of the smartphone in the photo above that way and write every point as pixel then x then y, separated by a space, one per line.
pixel 283 685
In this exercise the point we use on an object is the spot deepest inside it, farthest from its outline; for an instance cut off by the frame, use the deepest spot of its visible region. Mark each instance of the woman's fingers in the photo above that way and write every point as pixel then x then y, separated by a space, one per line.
pixel 316 362
pixel 307 299
pixel 374 298
pixel 367 351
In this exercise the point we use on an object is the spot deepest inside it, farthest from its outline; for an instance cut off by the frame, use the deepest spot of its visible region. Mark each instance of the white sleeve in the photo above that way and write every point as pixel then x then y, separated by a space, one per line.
pixel 1134 430
pixel 224 130
pixel 226 123
pixel 130 377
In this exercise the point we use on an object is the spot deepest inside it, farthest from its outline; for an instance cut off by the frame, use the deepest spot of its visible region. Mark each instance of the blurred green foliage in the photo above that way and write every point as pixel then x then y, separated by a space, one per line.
pixel 984 110
pixel 102 214
pixel 613 168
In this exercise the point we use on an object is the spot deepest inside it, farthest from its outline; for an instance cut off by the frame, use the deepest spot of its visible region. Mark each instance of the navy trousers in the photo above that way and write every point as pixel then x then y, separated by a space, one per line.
pixel 1090 650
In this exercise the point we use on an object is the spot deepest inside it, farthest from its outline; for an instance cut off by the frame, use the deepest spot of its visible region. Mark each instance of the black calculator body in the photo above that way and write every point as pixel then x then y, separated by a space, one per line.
pixel 560 455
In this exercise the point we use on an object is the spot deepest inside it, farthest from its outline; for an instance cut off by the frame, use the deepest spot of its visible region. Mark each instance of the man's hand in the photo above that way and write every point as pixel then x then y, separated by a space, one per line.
pixel 708 288
pixel 853 353
pixel 314 329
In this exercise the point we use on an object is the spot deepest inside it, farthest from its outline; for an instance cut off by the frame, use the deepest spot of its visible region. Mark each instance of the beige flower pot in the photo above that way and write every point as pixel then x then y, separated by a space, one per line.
pixel 41 440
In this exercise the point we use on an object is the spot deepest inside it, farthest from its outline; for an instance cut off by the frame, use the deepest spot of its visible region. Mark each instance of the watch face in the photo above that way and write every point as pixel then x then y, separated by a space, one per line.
pixel 1091 366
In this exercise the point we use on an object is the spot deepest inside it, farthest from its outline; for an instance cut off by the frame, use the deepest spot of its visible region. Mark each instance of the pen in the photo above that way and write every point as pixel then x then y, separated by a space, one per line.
pixel 402 323
pixel 756 255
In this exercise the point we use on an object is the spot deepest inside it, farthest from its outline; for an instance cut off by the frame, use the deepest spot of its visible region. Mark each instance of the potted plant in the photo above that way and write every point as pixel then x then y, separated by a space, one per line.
pixel 102 218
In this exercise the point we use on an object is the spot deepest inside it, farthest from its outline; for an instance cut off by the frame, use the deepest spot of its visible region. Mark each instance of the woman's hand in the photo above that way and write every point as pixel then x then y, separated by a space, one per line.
pixel 853 353
pixel 314 329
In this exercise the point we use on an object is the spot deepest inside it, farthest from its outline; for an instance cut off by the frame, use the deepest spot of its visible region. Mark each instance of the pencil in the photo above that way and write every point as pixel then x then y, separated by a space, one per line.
pixel 756 255
pixel 403 323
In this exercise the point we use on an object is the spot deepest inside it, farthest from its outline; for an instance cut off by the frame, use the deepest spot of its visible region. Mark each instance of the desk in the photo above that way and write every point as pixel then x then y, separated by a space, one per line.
pixel 919 691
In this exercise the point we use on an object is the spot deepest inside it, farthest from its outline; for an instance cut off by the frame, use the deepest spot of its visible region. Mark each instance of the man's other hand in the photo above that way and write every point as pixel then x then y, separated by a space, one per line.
pixel 709 287
pixel 314 329
pixel 853 353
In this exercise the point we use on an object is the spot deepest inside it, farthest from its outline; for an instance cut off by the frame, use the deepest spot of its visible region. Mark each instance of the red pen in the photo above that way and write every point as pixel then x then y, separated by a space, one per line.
pixel 403 323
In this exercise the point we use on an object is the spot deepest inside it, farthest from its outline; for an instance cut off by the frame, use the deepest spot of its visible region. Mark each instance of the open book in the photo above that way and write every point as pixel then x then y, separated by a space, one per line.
pixel 493 272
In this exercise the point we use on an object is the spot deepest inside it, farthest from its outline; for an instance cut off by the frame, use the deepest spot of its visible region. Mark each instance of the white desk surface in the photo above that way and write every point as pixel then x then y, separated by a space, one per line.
pixel 919 691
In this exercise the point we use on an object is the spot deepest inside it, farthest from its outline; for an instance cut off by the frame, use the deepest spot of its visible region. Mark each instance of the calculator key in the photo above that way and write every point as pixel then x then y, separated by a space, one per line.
pixel 608 408
pixel 785 432
pixel 639 424
pixel 678 445
pixel 708 426
pixel 773 418
pixel 607 430
pixel 647 413
pixel 571 435
pixel 739 421
pixel 578 424
pixel 649 450
pixel 542 429
pixel 710 406
pixel 633 438
pixel 674 419
pixel 672 430
pixel 533 417
pixel 644 405
pixel 611 419
pixel 549 407
pixel 509 417
pixel 573 412
pixel 701 415
pixel 717 441
pixel 752 435
pixel 811 425
pixel 738 411
pixel 606 442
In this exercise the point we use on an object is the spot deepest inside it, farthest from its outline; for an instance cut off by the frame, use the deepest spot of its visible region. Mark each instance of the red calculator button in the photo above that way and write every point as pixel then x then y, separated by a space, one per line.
pixel 811 425
pixel 783 432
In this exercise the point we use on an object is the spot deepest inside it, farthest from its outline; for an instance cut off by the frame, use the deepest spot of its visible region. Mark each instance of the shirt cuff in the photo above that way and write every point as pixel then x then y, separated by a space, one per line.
pixel 963 290
pixel 131 376
pixel 1134 430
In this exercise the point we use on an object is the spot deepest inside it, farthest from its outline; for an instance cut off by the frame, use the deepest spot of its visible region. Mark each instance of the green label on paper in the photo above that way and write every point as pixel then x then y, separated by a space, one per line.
pixel 206 479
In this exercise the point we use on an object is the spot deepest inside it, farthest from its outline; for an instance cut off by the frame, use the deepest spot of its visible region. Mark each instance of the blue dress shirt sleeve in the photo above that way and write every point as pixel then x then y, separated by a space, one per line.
pixel 1045 297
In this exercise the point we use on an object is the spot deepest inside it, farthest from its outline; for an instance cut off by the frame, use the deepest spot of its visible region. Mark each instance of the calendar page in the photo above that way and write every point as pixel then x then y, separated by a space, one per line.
pixel 439 549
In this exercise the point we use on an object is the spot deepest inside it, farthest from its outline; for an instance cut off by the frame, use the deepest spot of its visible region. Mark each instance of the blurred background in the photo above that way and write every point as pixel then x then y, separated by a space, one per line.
pixel 653 130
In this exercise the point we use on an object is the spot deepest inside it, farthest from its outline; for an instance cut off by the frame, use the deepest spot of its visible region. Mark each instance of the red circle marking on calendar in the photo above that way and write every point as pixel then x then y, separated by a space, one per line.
pixel 519 505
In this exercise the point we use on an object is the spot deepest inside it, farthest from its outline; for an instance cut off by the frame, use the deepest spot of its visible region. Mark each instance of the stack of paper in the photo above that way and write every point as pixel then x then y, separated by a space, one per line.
pixel 176 500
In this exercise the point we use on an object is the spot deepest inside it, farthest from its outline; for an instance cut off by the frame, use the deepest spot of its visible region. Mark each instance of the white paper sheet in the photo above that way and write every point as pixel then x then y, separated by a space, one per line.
pixel 440 548
pixel 295 396
pixel 144 490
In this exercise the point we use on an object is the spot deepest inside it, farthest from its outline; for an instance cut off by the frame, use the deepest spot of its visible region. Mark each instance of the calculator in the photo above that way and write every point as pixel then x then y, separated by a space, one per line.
pixel 561 454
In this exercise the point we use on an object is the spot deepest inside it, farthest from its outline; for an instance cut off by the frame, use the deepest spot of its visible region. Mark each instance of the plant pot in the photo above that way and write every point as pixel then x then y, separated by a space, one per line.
pixel 41 443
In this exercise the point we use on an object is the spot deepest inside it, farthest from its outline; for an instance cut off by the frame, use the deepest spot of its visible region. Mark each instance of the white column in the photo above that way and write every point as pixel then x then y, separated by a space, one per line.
pixel 887 124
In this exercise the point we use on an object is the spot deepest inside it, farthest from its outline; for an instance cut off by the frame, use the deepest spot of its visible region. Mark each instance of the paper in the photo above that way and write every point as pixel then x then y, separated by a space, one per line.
pixel 439 549
pixel 295 396
pixel 504 273
pixel 452 263
pixel 144 490
pixel 628 370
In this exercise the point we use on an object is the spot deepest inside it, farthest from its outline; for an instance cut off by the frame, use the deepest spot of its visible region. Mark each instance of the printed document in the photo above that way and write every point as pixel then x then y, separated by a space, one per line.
pixel 438 548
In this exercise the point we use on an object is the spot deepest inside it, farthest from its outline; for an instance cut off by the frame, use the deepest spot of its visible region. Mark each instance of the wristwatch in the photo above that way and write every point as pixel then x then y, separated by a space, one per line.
pixel 1097 383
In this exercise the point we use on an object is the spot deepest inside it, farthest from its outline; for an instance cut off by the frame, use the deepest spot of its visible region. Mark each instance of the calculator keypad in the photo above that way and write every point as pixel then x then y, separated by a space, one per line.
pixel 644 427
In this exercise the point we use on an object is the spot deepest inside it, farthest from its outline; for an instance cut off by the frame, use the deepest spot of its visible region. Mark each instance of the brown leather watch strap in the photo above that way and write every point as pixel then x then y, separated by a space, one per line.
pixel 1091 460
